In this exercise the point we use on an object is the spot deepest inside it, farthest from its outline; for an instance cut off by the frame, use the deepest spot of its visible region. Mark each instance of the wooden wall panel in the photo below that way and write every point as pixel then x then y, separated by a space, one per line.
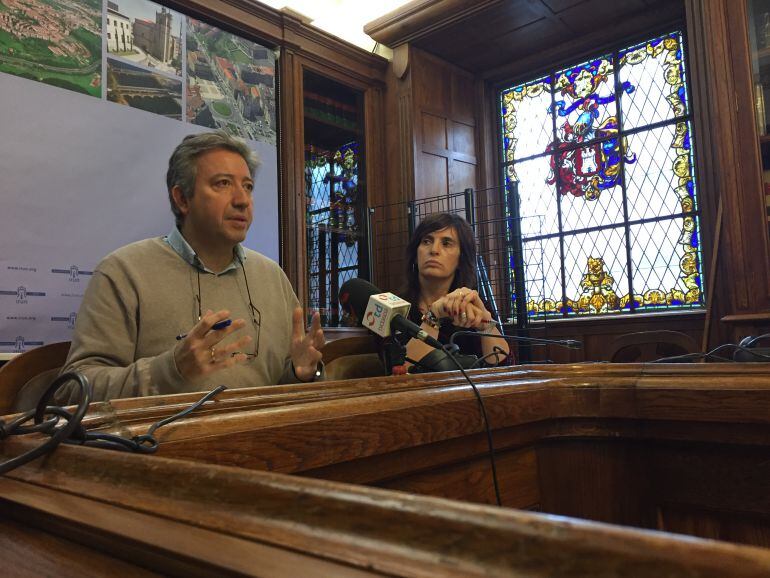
pixel 471 481
pixel 714 525
pixel 720 478
pixel 597 334
pixel 434 130
pixel 31 551
pixel 594 480
pixel 463 98
pixel 464 138
pixel 463 176
pixel 444 100
pixel 434 179
pixel 432 84
pixel 709 490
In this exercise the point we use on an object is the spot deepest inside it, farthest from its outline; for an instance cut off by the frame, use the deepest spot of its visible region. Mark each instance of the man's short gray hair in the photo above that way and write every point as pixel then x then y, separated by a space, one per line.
pixel 182 166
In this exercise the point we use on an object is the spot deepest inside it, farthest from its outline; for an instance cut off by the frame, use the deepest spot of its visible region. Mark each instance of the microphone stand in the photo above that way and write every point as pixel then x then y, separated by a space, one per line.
pixel 394 354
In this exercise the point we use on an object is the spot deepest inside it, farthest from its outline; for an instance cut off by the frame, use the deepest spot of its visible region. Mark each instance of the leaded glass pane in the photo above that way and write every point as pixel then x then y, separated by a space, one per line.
pixel 602 192
pixel 346 275
pixel 660 181
pixel 585 101
pixel 589 193
pixel 653 76
pixel 666 264
pixel 527 125
pixel 542 271
pixel 537 198
pixel 595 271
pixel 333 224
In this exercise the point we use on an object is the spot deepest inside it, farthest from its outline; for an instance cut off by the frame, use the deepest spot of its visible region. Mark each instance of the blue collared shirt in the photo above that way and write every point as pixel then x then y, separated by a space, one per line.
pixel 180 245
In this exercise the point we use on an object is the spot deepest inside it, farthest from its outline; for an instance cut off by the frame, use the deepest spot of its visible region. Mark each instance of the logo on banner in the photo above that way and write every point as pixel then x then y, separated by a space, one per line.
pixel 74 273
pixel 70 320
pixel 20 344
pixel 22 293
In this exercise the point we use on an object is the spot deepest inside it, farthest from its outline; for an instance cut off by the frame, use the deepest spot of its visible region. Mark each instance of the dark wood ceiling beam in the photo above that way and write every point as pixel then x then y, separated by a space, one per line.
pixel 422 17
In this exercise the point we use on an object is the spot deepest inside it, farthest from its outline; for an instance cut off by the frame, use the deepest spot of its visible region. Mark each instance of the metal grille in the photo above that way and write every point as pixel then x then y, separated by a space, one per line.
pixel 498 244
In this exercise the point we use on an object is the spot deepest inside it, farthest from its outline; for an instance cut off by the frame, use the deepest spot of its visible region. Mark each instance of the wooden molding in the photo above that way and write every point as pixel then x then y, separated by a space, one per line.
pixel 306 20
pixel 247 16
pixel 747 318
pixel 400 60
pixel 293 258
pixel 315 44
pixel 572 50
pixel 420 18
pixel 729 165
pixel 182 517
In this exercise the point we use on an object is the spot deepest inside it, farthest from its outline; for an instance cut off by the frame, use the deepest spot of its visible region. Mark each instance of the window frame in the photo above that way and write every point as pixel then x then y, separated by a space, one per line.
pixel 516 244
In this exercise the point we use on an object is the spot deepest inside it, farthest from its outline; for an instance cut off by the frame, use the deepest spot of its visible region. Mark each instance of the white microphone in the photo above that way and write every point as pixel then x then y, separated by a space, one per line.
pixel 381 310
pixel 386 312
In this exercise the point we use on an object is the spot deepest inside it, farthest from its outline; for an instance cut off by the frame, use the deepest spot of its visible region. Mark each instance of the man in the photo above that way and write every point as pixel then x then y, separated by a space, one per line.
pixel 147 322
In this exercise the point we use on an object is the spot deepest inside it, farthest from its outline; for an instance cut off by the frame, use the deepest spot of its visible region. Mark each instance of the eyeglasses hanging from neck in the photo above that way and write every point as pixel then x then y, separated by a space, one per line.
pixel 254 313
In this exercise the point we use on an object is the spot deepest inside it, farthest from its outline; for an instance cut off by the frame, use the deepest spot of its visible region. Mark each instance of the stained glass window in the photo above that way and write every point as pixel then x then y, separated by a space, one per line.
pixel 599 160
pixel 334 227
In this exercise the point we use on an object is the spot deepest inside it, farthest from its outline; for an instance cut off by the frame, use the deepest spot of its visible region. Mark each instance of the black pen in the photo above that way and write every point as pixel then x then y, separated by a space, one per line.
pixel 216 327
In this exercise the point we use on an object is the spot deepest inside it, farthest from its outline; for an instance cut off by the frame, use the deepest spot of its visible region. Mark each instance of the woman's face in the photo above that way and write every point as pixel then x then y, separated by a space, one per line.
pixel 438 254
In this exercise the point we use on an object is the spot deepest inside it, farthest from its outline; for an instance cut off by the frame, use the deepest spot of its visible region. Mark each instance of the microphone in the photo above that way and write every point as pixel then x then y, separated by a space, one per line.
pixel 381 313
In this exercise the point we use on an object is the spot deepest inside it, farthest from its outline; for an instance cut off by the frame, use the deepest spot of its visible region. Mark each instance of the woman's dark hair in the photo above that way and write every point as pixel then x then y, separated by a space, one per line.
pixel 465 275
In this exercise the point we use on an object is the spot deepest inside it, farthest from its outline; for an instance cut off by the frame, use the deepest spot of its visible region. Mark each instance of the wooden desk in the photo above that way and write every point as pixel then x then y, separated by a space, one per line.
pixel 682 448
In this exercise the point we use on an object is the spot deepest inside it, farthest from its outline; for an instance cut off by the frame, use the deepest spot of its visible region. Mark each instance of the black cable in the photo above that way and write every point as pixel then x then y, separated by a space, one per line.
pixel 447 348
pixel 72 432
pixel 752 351
pixel 496 350
pixel 145 443
pixel 418 364
pixel 184 412
pixel 568 343
pixel 57 435
pixel 711 354
pixel 751 341
pixel 490 443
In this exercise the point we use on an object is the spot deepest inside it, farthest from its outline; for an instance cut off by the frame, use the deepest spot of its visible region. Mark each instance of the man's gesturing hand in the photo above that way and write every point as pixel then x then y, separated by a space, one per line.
pixel 306 348
pixel 198 355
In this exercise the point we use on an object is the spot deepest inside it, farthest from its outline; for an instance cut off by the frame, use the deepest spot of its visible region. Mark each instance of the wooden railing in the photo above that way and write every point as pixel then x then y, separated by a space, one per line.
pixel 680 448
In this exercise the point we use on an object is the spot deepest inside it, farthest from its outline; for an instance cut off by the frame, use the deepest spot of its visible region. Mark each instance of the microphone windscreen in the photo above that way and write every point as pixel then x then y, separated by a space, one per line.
pixel 354 296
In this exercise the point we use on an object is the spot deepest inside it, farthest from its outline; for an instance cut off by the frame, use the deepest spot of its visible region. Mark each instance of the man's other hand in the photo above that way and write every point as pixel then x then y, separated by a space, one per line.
pixel 306 347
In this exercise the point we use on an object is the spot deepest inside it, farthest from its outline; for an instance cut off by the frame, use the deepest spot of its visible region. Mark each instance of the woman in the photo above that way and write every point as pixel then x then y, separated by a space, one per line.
pixel 441 277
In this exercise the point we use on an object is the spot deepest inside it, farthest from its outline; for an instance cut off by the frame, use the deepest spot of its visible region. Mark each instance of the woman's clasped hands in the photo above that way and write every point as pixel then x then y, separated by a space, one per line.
pixel 464 307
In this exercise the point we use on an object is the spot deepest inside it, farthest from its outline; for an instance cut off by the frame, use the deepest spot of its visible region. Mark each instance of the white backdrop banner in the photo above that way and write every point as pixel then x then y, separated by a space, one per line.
pixel 79 177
